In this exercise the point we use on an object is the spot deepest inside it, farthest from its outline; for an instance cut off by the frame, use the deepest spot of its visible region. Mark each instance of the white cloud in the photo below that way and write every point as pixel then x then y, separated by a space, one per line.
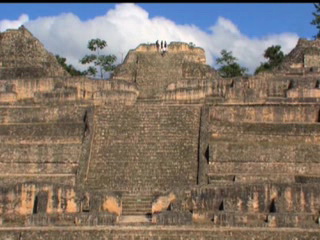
pixel 128 25
pixel 8 24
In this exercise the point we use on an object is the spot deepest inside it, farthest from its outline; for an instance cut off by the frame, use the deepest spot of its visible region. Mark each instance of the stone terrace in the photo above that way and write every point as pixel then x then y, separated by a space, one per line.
pixel 40 143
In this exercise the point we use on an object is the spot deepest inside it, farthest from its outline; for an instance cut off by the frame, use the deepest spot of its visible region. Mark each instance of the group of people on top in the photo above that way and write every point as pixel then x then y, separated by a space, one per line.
pixel 162 47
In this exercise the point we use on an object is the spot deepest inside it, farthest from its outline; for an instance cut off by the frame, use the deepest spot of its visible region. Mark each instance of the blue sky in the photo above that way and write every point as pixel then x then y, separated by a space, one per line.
pixel 213 26
pixel 254 19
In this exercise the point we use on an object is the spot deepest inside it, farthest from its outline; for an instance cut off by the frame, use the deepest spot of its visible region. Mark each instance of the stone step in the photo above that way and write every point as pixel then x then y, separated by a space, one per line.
pixel 283 129
pixel 38 168
pixel 128 205
pixel 137 201
pixel 261 178
pixel 36 114
pixel 136 204
pixel 148 100
pixel 135 212
pixel 136 207
pixel 264 168
pixel 134 200
pixel 39 153
pixel 250 178
pixel 134 219
pixel 70 129
pixel 264 152
pixel 131 203
pixel 140 194
pixel 141 204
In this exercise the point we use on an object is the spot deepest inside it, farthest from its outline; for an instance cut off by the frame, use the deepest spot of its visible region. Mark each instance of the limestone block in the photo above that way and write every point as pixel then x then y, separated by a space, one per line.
pixel 7 97
pixel 112 205
pixel 163 202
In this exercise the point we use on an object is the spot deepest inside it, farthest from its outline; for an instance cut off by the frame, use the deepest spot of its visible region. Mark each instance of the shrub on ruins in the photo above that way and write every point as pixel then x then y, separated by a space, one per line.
pixel 274 55
pixel 101 63
pixel 69 68
pixel 192 45
pixel 229 66
pixel 316 20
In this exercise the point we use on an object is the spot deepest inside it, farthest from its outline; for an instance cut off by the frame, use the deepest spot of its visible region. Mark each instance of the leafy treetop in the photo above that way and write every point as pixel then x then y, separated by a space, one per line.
pixel 229 68
pixel 69 68
pixel 104 63
pixel 316 20
pixel 274 55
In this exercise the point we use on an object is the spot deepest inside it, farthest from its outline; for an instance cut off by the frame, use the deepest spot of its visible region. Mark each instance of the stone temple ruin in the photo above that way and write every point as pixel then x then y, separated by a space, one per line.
pixel 165 149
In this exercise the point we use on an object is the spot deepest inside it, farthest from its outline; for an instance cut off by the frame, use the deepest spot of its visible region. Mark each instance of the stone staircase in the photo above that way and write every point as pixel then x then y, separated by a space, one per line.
pixel 147 146
pixel 136 209
pixel 136 204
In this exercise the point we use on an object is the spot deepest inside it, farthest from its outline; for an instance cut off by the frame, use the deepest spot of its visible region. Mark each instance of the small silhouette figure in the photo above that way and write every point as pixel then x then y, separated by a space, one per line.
pixel 157 44
pixel 165 47
pixel 161 45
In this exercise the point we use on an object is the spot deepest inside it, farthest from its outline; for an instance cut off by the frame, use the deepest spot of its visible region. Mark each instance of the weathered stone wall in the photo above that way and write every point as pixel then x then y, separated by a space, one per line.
pixel 144 147
pixel 277 87
pixel 188 90
pixel 41 204
pixel 303 93
pixel 311 61
pixel 173 218
pixel 41 90
pixel 24 199
pixel 301 54
pixel 42 113
pixel 71 220
pixel 41 143
pixel 246 90
pixel 257 205
pixel 259 152
pixel 271 88
pixel 273 113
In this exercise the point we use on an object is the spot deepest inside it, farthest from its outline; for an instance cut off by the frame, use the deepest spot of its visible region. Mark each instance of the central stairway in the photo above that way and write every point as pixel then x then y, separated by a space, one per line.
pixel 136 204
pixel 147 146
pixel 136 209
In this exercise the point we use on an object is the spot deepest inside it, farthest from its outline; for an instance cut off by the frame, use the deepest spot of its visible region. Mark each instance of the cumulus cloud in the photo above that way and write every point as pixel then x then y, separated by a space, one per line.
pixel 8 24
pixel 128 25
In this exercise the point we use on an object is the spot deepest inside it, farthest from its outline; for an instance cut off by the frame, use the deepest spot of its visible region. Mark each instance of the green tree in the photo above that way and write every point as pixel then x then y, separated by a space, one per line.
pixel 192 45
pixel 69 68
pixel 316 20
pixel 274 55
pixel 104 63
pixel 229 66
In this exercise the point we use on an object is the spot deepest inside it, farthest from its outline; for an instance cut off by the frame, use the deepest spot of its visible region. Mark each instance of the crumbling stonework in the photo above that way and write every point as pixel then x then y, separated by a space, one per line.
pixel 23 56
pixel 165 149
pixel 305 55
